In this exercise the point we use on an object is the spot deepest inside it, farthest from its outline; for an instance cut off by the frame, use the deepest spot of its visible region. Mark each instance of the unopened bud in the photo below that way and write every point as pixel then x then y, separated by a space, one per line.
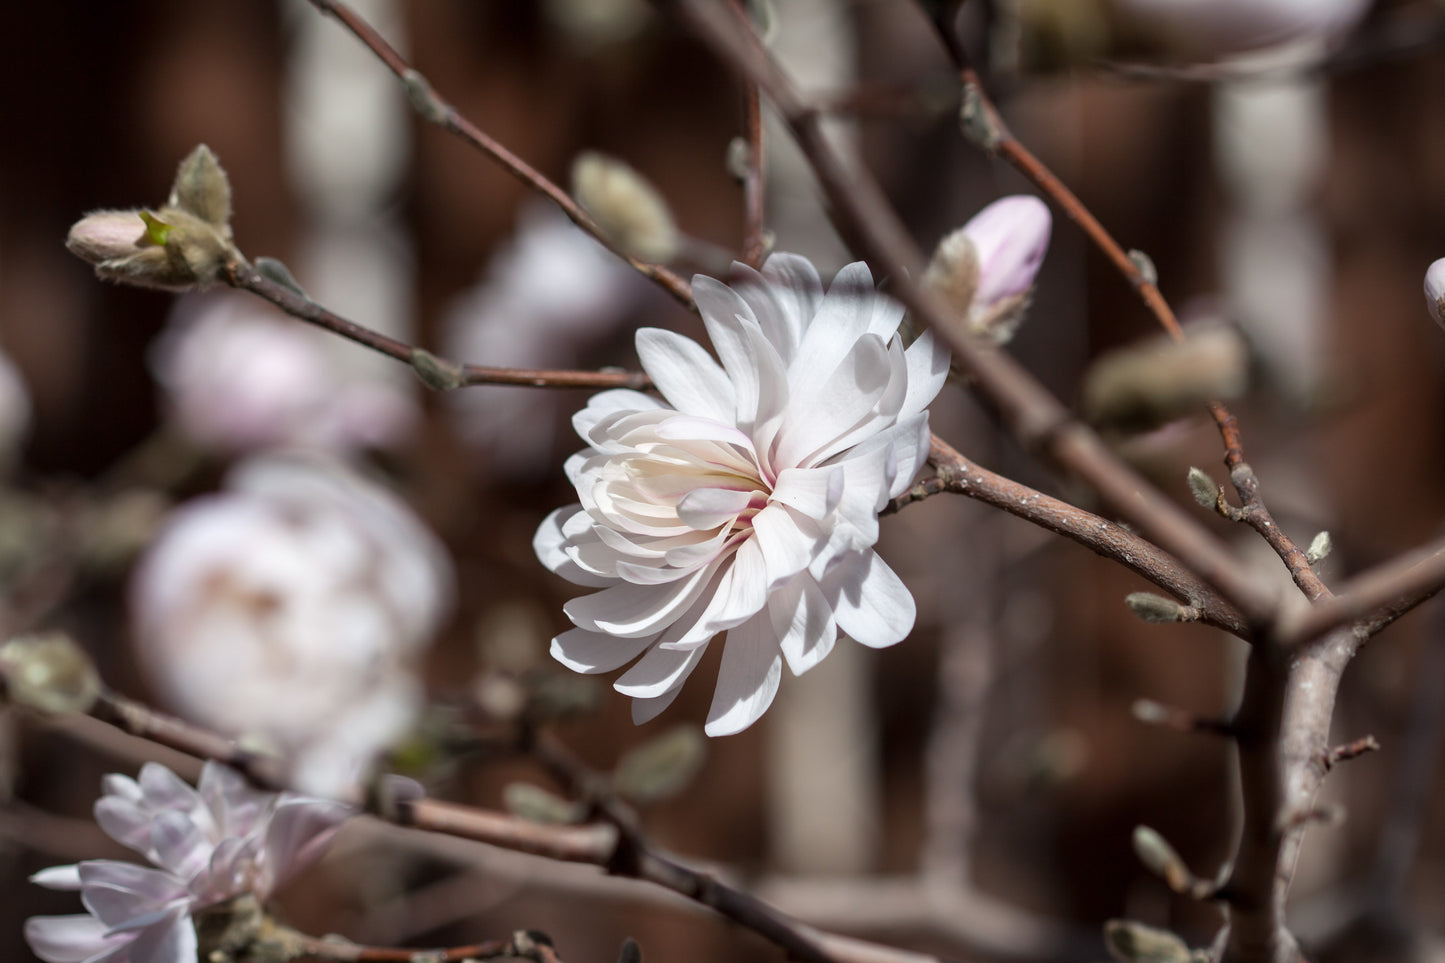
pixel 535 804
pixel 104 235
pixel 1133 942
pixel 1160 858
pixel 439 374
pixel 1149 384
pixel 629 210
pixel 1204 488
pixel 1319 549
pixel 50 673
pixel 1156 608
pixel 984 271
pixel 662 767
pixel 1435 291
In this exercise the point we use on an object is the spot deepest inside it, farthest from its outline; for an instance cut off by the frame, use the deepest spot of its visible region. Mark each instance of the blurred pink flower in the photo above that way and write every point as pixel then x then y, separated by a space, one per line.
pixel 292 606
pixel 748 500
pixel 1213 28
pixel 524 314
pixel 1435 291
pixel 1010 238
pixel 238 377
pixel 211 844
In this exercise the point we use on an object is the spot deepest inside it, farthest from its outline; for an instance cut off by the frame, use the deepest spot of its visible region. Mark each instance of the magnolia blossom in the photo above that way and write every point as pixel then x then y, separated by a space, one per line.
pixel 239 378
pixel 209 844
pixel 1435 291
pixel 292 607
pixel 747 500
pixel 1213 28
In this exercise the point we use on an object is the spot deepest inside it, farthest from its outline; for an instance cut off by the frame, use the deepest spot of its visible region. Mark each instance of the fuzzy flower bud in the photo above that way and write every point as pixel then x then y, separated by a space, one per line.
pixel 1435 291
pixel 985 270
pixel 630 211
pixel 293 607
pixel 49 673
pixel 184 244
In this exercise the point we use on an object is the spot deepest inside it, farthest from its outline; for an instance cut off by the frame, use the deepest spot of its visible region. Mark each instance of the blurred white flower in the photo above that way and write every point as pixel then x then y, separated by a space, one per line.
pixel 14 408
pixel 238 378
pixel 748 501
pixel 292 607
pixel 1435 291
pixel 985 270
pixel 211 844
pixel 545 296
pixel 1213 28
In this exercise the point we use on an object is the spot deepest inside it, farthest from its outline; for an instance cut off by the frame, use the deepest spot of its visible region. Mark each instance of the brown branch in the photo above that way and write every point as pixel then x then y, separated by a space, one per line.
pixel 432 108
pixel 1254 513
pixel 956 473
pixel 436 372
pixel 522 946
pixel 1035 415
pixel 755 247
pixel 1376 597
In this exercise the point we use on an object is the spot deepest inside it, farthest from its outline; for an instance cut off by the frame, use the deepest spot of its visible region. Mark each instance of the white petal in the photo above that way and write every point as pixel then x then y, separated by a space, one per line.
pixel 803 620
pixel 68 939
pixel 633 611
pixel 609 402
pixel 818 417
pixel 645 710
pixel 299 832
pixel 658 672
pixel 839 322
pixel 707 508
pixel 928 359
pixel 549 544
pixel 58 877
pixel 786 548
pixel 871 603
pixel 179 844
pixel 686 374
pixel 752 667
pixel 812 491
pixel 170 941
pixel 798 289
pixel 591 652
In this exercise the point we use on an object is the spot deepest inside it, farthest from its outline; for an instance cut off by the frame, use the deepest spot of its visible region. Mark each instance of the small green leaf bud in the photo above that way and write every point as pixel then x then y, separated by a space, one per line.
pixel 537 805
pixel 202 189
pixel 439 374
pixel 1148 273
pixel 662 767
pixel 50 673
pixel 1161 859
pixel 273 270
pixel 630 211
pixel 1131 942
pixel 1204 488
pixel 1156 608
pixel 1319 549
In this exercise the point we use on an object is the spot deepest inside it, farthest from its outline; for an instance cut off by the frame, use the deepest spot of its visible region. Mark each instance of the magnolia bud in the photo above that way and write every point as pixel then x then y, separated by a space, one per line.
pixel 1435 291
pixel 985 270
pixel 1148 384
pixel 104 235
pixel 49 673
pixel 629 210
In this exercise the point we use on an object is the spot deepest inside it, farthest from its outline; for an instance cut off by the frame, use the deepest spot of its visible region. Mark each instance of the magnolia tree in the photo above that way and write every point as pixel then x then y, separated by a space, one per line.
pixel 730 496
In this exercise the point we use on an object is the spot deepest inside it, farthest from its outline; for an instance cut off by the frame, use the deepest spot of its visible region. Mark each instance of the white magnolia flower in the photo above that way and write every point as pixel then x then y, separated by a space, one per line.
pixel 210 844
pixel 292 607
pixel 748 500
pixel 239 378
pixel 1435 291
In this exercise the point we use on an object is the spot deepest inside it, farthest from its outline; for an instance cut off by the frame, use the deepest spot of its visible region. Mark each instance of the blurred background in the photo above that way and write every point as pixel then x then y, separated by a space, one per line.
pixel 971 791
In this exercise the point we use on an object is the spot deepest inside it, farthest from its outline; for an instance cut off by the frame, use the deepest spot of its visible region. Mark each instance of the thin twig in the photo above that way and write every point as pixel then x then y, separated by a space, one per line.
pixel 755 246
pixel 241 275
pixel 1388 589
pixel 955 473
pixel 521 946
pixel 432 108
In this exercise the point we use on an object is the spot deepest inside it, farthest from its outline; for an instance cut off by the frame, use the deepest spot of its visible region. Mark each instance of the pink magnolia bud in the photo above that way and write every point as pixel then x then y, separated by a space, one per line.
pixel 103 235
pixel 1435 291
pixel 1010 238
